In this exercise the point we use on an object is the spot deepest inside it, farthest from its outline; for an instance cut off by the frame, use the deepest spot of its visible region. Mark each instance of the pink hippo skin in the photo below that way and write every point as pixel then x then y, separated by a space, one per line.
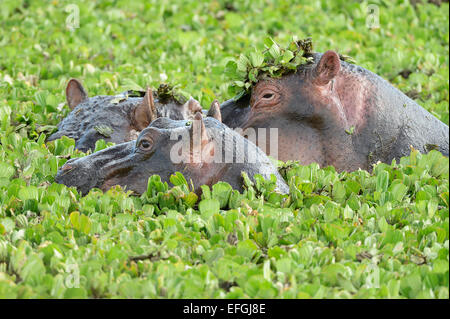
pixel 335 113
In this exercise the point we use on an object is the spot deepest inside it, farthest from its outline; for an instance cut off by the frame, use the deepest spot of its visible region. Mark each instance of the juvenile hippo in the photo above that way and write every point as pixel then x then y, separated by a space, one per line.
pixel 118 118
pixel 205 151
pixel 335 113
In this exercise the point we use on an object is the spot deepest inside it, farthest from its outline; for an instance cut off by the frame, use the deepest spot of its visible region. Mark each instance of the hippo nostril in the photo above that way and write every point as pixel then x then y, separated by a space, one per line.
pixel 66 168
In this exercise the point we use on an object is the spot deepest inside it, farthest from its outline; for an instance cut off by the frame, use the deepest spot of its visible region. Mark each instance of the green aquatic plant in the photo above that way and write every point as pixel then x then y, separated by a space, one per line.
pixel 273 61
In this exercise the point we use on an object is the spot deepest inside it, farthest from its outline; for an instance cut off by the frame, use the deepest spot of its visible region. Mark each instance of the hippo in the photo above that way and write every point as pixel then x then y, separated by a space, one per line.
pixel 117 118
pixel 336 113
pixel 204 150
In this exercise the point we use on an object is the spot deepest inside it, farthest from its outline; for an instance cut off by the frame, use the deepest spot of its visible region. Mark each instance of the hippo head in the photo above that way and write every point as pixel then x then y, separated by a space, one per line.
pixel 164 147
pixel 118 118
pixel 307 107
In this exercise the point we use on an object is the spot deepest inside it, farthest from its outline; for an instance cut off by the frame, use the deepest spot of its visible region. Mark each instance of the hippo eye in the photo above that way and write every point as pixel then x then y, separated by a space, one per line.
pixel 268 96
pixel 145 145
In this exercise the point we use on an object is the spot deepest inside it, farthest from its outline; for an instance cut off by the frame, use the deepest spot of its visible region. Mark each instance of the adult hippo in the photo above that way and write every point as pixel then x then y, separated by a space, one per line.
pixel 118 118
pixel 204 150
pixel 336 113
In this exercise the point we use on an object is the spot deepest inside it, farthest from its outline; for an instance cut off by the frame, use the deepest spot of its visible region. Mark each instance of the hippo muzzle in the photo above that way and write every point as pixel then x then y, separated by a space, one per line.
pixel 94 171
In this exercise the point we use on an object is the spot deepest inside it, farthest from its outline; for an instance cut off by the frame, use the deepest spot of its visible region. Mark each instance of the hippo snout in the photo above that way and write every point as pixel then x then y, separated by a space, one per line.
pixel 93 170
pixel 77 173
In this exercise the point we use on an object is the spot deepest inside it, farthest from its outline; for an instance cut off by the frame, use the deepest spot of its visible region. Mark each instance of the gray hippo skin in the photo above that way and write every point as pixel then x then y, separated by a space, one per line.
pixel 335 113
pixel 204 151
pixel 117 118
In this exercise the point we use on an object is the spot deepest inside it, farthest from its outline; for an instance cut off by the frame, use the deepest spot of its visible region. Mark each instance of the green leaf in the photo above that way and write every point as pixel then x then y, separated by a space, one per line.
pixel 104 130
pixel 85 224
pixel 399 191
pixel 287 56
pixel 75 293
pixel 75 219
pixel 222 191
pixel 178 179
pixel 191 199
pixel 440 266
pixel 392 237
pixel 275 51
pixel 242 63
pixel 382 181
pixel 209 207
pixel 30 192
pixel 256 59
pixel 268 42
pixel 33 270
pixel 6 170
pixel 247 249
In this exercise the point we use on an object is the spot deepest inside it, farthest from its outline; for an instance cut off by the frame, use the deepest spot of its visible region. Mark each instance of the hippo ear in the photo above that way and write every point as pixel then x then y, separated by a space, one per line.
pixel 214 111
pixel 145 113
pixel 193 106
pixel 75 93
pixel 327 68
pixel 202 150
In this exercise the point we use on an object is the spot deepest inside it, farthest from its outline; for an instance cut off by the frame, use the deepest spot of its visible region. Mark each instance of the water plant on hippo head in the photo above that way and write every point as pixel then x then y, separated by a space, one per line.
pixel 274 61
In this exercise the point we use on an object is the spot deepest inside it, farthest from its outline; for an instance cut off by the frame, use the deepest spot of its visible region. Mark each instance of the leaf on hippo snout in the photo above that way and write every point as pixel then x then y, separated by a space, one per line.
pixel 104 130
pixel 350 131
